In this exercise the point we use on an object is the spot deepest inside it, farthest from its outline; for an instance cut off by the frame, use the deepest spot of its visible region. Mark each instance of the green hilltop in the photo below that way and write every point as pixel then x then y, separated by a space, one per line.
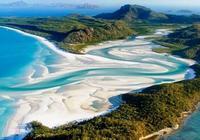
pixel 135 13
pixel 184 42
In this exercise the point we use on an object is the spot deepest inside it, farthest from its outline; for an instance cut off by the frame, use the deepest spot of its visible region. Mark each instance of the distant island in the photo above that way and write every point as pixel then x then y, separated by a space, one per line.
pixel 88 6
pixel 24 4
pixel 185 11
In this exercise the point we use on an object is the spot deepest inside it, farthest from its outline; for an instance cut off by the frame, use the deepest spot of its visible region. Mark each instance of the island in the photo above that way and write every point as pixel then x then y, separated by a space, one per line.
pixel 148 114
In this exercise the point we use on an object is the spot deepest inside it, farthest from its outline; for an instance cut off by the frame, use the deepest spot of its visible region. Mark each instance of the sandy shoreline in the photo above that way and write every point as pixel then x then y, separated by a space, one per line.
pixel 168 131
pixel 70 98
pixel 41 39
pixel 160 133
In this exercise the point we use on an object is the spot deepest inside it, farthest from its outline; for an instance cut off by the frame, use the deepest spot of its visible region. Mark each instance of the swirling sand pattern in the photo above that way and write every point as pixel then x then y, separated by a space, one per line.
pixel 61 87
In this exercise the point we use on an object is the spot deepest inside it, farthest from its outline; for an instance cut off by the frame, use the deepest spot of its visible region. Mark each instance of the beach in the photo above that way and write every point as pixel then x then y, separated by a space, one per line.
pixel 81 86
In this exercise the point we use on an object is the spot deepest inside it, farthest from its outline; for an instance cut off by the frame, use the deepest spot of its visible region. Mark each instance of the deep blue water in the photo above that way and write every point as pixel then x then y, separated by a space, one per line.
pixel 52 12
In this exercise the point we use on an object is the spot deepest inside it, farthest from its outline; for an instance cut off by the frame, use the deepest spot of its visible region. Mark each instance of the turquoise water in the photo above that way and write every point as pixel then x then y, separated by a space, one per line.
pixel 190 130
pixel 22 56
pixel 11 54
pixel 16 52
pixel 18 55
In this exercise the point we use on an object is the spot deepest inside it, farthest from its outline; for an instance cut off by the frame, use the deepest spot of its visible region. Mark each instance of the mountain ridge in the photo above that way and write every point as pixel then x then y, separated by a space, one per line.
pixel 23 4
pixel 132 13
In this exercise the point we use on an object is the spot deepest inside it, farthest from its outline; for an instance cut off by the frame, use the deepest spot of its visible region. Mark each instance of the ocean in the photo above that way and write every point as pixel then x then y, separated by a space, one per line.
pixel 20 56
pixel 51 12
pixel 190 129
pixel 59 12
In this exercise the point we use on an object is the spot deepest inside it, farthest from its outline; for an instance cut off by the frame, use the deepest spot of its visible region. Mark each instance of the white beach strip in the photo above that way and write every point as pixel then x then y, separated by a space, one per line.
pixel 44 41
pixel 188 61
pixel 109 44
pixel 160 133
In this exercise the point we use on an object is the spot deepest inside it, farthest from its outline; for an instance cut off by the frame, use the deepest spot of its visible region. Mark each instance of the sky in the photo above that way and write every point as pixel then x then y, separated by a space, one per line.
pixel 173 3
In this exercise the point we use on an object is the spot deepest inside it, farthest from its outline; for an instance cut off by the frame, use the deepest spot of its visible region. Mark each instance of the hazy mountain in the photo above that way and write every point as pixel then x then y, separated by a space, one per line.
pixel 185 11
pixel 87 6
pixel 23 4
pixel 15 4
pixel 136 12
pixel 132 12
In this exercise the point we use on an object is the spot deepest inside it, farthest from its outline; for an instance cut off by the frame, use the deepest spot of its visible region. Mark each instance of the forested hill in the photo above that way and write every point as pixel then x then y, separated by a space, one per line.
pixel 71 33
pixel 184 42
pixel 132 13
pixel 189 36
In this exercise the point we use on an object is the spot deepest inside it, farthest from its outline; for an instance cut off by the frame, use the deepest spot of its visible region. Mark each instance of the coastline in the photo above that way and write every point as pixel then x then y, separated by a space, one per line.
pixel 41 39
pixel 168 131
pixel 67 55
pixel 13 121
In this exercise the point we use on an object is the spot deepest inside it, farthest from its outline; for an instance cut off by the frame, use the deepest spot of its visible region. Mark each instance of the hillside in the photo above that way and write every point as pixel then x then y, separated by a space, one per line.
pixel 74 32
pixel 189 36
pixel 184 42
pixel 71 33
pixel 133 13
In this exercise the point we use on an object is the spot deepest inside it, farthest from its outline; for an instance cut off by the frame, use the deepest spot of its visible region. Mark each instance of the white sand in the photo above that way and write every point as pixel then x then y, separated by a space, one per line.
pixel 89 97
pixel 160 133
pixel 62 105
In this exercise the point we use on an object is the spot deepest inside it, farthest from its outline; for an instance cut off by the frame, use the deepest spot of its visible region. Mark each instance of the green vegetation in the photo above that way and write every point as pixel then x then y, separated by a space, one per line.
pixel 184 42
pixel 71 33
pixel 145 28
pixel 132 13
pixel 155 108
pixel 75 32
pixel 140 114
